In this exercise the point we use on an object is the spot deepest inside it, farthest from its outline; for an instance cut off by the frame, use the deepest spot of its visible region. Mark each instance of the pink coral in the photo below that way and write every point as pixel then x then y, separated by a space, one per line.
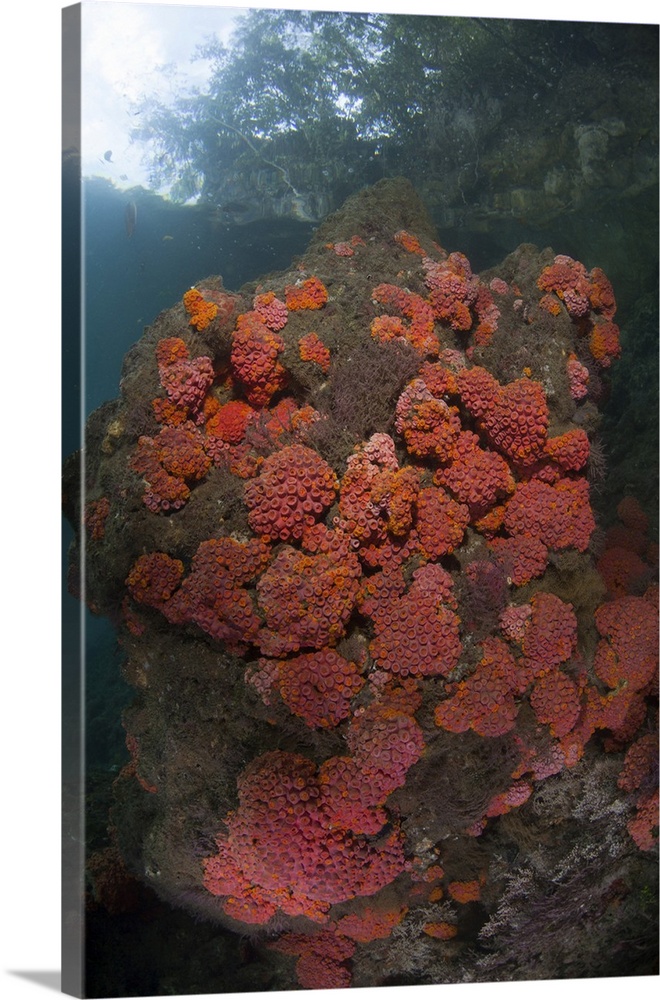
pixel 307 597
pixel 214 596
pixel 201 312
pixel 418 636
pixel 271 311
pixel 419 331
pixel 371 924
pixel 385 742
pixel 153 578
pixel 569 450
pixel 441 522
pixel 254 358
pixel 293 489
pixel 320 958
pixel 484 701
pixel 309 294
pixel 312 348
pixel 550 634
pixel 622 570
pixel 568 279
pixel 230 421
pixel 524 557
pixel 186 381
pixel 514 417
pixel 476 476
pixel 632 515
pixel 96 514
pixel 578 378
pixel 604 342
pixel 430 427
pixel 628 651
pixel 169 463
pixel 555 700
pixel 319 686
pixel 452 291
pixel 558 514
pixel 280 852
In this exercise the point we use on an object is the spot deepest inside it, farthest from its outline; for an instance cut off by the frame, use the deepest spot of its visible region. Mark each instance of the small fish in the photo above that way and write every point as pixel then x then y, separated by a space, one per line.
pixel 165 238
pixel 108 155
pixel 130 218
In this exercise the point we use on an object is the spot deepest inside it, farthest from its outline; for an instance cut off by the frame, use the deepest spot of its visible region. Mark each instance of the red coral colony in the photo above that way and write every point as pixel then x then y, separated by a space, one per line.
pixel 396 691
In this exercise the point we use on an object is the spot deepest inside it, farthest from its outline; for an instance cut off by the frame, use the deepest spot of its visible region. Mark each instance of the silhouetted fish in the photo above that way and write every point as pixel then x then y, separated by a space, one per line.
pixel 130 218
pixel 108 155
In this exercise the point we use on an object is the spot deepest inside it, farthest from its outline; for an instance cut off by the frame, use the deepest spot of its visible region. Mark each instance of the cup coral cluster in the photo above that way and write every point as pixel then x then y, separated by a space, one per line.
pixel 342 589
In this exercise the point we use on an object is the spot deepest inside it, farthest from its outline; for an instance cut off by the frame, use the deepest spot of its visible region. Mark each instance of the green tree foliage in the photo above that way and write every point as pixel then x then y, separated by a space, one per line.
pixel 313 99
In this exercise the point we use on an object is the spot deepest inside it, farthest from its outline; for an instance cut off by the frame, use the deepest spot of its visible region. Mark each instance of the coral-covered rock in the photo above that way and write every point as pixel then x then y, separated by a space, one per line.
pixel 358 607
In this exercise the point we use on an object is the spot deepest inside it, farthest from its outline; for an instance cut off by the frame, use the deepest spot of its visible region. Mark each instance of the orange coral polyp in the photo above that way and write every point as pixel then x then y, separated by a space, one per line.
pixel 311 294
pixel 312 348
pixel 465 892
pixel 201 312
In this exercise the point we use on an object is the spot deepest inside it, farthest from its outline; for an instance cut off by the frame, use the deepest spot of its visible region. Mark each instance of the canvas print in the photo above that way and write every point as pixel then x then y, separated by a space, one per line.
pixel 360 479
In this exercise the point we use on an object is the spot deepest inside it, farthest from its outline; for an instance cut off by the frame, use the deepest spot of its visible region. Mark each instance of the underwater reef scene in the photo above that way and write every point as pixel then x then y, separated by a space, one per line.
pixel 395 679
